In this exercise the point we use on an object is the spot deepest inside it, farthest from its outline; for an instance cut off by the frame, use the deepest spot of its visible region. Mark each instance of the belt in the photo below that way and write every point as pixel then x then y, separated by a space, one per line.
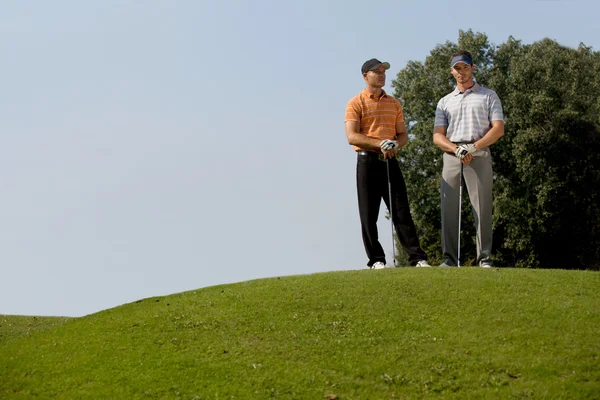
pixel 367 153
pixel 372 154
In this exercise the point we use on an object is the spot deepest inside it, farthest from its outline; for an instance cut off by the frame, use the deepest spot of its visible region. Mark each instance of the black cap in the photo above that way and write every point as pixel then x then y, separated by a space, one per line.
pixel 372 64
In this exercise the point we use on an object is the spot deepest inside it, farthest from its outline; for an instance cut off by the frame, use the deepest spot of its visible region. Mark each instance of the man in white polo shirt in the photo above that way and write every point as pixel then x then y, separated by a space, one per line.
pixel 467 122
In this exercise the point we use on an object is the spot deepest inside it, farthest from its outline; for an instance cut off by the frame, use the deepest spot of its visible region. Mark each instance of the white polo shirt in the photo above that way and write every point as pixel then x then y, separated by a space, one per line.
pixel 469 115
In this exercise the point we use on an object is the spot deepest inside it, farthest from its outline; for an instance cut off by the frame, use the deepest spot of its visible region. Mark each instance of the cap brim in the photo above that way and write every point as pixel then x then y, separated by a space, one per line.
pixel 386 65
pixel 459 62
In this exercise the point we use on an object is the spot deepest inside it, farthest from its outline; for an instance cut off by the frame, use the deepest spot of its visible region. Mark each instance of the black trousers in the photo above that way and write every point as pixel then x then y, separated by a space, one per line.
pixel 372 186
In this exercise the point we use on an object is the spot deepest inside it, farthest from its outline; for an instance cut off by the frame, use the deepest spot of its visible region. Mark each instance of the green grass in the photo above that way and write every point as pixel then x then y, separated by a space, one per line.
pixel 17 326
pixel 389 334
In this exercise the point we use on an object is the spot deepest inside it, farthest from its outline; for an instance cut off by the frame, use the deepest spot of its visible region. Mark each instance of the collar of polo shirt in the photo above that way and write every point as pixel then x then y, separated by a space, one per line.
pixel 473 88
pixel 372 96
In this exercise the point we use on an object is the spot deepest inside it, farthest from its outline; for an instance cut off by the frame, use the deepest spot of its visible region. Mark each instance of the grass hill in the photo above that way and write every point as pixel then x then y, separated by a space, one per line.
pixel 397 333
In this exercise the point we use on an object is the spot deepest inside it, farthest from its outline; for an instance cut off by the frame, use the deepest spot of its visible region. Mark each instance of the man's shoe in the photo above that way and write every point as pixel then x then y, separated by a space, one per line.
pixel 447 263
pixel 423 263
pixel 486 264
pixel 378 265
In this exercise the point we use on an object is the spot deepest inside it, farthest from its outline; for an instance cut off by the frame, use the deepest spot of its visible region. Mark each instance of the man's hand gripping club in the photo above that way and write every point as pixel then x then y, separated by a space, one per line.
pixel 464 149
pixel 464 152
pixel 389 148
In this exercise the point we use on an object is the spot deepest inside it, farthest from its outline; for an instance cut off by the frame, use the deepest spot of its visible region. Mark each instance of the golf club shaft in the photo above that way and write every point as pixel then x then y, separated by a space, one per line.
pixel 459 209
pixel 390 209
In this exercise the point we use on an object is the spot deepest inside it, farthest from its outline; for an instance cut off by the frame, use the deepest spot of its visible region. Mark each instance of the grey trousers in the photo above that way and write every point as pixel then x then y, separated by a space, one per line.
pixel 478 179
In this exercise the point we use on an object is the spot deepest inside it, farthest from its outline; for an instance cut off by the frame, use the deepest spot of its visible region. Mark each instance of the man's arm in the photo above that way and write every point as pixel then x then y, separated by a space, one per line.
pixel 492 136
pixel 441 141
pixel 355 138
pixel 401 135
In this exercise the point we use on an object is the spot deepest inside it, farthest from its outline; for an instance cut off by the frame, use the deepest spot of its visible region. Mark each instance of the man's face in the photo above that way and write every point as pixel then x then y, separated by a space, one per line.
pixel 462 72
pixel 376 77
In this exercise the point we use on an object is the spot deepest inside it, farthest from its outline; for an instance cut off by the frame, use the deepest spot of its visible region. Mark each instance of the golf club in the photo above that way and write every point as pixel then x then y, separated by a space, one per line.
pixel 387 161
pixel 459 210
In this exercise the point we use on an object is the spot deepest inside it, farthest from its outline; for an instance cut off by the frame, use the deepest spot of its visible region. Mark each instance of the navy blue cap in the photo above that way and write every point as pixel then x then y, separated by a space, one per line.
pixel 463 59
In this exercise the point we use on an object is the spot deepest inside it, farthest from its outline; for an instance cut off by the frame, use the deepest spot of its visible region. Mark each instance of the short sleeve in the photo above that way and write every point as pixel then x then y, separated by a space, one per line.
pixel 495 110
pixel 441 119
pixel 353 110
pixel 399 113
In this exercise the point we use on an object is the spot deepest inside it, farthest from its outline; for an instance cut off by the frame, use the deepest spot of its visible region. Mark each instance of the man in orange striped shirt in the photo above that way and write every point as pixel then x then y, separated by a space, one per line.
pixel 375 127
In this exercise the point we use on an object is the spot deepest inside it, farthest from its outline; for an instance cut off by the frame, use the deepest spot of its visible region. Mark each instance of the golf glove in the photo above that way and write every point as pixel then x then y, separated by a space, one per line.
pixel 464 149
pixel 387 144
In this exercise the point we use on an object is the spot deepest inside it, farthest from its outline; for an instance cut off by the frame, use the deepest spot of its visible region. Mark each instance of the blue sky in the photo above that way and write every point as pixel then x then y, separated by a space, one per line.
pixel 153 147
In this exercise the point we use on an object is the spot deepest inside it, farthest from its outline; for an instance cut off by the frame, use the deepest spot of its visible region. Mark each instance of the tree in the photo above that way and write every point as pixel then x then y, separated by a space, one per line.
pixel 546 167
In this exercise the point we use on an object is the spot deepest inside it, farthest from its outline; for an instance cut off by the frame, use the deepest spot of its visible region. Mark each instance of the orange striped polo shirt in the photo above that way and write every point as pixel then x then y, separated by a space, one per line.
pixel 377 117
